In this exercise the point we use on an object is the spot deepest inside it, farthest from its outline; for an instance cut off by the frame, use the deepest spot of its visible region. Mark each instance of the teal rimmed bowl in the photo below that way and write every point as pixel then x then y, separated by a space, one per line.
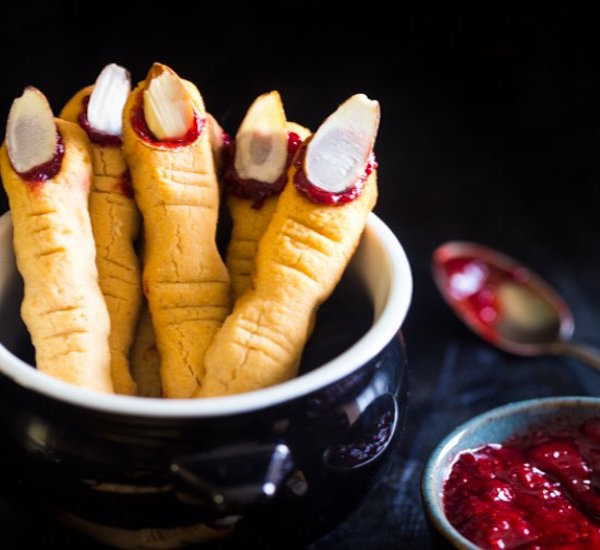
pixel 493 426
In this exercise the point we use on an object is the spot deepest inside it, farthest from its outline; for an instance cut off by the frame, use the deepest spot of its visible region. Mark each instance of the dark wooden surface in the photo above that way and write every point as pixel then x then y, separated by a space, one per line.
pixel 490 132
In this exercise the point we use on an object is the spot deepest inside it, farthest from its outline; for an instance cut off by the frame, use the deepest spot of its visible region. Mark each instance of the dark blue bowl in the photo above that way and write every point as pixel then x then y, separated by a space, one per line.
pixel 284 463
pixel 493 426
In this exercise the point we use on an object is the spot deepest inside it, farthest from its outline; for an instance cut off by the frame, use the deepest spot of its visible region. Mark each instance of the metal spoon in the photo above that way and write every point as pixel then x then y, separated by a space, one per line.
pixel 505 303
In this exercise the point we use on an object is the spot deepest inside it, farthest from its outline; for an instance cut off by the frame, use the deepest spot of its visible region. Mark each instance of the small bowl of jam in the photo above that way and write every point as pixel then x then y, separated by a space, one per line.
pixel 524 475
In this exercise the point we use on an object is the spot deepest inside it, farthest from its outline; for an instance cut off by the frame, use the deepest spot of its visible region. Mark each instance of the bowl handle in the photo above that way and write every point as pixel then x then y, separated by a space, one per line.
pixel 233 477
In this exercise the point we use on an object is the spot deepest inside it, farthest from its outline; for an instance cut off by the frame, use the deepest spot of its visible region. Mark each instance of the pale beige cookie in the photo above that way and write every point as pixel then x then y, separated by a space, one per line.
pixel 63 306
pixel 169 153
pixel 301 256
pixel 217 140
pixel 145 360
pixel 114 215
pixel 248 226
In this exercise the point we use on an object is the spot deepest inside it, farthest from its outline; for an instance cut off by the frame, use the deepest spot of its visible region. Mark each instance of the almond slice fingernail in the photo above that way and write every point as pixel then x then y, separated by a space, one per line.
pixel 337 155
pixel 105 109
pixel 261 141
pixel 31 135
pixel 168 108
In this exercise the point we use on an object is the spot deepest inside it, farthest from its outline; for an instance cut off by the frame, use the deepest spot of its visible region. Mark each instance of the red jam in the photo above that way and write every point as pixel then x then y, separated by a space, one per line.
pixel 255 190
pixel 123 185
pixel 138 122
pixel 472 285
pixel 97 137
pixel 536 491
pixel 47 170
pixel 321 196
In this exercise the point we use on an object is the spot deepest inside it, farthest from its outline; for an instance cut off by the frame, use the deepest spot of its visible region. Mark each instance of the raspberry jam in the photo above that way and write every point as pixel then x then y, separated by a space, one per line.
pixel 472 284
pixel 47 170
pixel 536 490
pixel 495 300
pixel 255 190
pixel 321 196
pixel 139 125
pixel 97 137
pixel 124 186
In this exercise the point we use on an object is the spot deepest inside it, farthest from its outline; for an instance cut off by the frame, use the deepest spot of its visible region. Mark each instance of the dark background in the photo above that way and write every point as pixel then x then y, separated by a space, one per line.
pixel 490 132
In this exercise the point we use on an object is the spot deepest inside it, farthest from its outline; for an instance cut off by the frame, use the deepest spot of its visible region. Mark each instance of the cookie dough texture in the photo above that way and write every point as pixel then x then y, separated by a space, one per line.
pixel 300 259
pixel 184 279
pixel 145 360
pixel 63 306
pixel 115 223
pixel 249 225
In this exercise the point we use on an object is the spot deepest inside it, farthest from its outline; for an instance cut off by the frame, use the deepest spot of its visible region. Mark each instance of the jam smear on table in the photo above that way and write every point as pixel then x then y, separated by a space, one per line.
pixel 99 138
pixel 321 196
pixel 256 190
pixel 43 172
pixel 535 491
pixel 139 125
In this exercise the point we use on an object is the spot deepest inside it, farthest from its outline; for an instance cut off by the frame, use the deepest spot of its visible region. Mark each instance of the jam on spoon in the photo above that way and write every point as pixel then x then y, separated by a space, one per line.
pixel 505 303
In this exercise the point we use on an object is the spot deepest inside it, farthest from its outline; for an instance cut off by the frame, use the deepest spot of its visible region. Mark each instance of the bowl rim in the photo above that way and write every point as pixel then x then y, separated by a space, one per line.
pixel 432 500
pixel 372 342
